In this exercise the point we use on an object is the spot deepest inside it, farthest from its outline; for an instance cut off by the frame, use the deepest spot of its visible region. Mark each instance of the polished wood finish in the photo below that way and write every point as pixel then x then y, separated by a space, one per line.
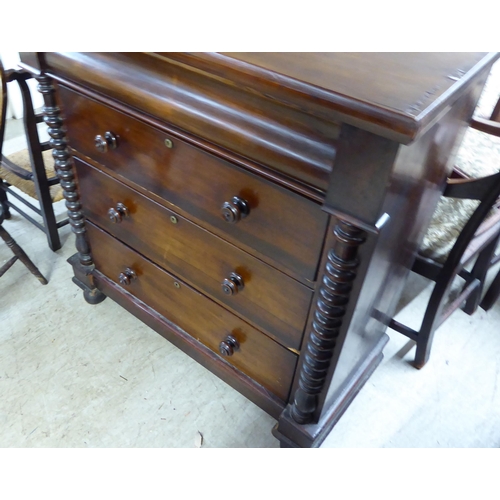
pixel 269 299
pixel 264 360
pixel 190 84
pixel 324 168
pixel 181 174
pixel 211 360
pixel 64 171
pixel 405 92
pixel 330 303
pixel 295 144
pixel 291 434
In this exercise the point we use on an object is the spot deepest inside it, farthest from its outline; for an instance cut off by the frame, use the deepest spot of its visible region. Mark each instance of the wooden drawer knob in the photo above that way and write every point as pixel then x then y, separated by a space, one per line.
pixel 116 214
pixel 228 346
pixel 127 276
pixel 109 141
pixel 233 284
pixel 235 210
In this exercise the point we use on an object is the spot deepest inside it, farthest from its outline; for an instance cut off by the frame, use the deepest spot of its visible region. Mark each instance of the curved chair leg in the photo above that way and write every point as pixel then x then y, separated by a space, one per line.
pixel 424 344
pixel 429 325
pixel 492 294
pixel 21 255
pixel 430 322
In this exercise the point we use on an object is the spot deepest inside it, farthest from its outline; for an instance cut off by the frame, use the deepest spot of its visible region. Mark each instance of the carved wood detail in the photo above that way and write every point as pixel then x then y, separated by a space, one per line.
pixel 63 165
pixel 330 307
pixel 64 168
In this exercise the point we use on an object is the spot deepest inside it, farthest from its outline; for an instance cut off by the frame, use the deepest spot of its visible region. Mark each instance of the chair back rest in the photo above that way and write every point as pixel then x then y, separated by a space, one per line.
pixel 490 187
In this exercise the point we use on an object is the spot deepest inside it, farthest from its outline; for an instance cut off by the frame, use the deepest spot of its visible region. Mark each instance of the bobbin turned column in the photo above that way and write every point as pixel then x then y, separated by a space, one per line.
pixel 311 414
pixel 82 261
pixel 330 306
pixel 344 336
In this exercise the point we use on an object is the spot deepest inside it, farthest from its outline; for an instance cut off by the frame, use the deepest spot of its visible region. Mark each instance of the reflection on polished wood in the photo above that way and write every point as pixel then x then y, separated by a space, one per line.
pixel 274 204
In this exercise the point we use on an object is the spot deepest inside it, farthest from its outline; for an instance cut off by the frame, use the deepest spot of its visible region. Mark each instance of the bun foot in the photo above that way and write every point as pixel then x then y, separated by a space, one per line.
pixel 93 296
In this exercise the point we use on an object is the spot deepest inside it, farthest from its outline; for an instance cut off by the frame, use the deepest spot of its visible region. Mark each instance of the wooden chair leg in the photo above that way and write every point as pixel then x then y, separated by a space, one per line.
pixel 434 315
pixel 39 175
pixel 424 344
pixel 3 201
pixel 7 266
pixel 492 294
pixel 430 323
pixel 479 272
pixel 21 255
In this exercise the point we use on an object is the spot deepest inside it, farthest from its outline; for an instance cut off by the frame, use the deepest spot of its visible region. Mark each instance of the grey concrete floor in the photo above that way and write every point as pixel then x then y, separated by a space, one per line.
pixel 75 375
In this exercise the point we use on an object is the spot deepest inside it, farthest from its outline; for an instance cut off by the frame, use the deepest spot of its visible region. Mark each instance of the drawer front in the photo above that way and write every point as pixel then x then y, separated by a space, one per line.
pixel 268 298
pixel 260 357
pixel 281 226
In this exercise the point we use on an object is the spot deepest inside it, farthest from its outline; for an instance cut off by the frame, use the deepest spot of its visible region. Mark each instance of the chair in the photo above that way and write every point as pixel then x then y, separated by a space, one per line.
pixel 30 170
pixel 459 246
pixel 19 254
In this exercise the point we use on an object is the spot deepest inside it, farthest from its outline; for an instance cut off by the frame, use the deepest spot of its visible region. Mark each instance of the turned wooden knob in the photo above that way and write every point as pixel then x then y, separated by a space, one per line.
pixel 116 214
pixel 235 210
pixel 228 346
pixel 233 284
pixel 127 276
pixel 109 141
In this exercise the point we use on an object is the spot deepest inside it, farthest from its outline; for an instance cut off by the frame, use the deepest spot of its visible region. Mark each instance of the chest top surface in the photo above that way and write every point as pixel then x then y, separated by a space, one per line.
pixel 395 81
pixel 277 113
pixel 398 92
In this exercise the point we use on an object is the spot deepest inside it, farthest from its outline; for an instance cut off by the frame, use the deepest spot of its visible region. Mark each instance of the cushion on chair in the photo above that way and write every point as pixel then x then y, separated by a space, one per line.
pixel 478 156
pixel 21 158
pixel 448 220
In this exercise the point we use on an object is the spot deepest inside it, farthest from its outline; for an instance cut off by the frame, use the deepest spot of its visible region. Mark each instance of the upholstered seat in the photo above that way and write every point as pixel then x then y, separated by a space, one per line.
pixel 478 156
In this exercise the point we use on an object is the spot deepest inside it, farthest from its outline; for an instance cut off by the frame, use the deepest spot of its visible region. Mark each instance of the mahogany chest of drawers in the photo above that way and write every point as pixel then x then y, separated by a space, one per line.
pixel 260 211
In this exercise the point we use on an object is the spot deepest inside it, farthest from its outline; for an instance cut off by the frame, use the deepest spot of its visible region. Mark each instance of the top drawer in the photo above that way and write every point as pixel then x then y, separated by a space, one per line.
pixel 280 226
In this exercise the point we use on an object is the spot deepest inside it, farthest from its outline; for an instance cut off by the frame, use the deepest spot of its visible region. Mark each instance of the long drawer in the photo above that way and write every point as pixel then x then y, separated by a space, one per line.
pixel 259 216
pixel 267 298
pixel 249 350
